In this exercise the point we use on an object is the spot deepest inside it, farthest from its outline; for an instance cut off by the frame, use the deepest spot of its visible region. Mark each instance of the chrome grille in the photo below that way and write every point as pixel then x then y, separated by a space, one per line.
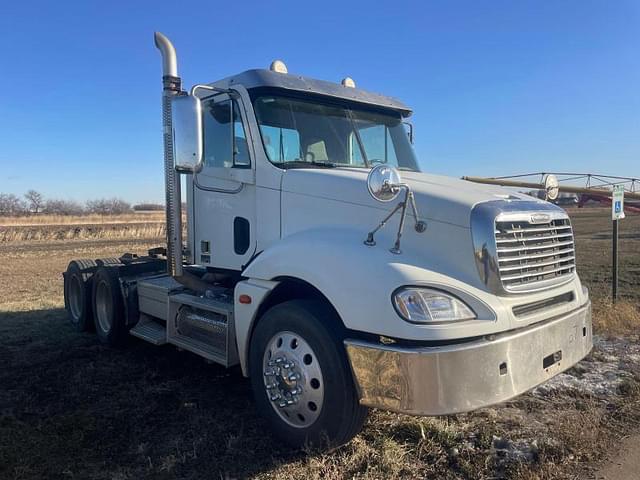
pixel 534 255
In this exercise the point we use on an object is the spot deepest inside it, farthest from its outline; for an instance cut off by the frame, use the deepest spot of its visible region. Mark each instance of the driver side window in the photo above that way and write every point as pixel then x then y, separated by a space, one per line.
pixel 225 141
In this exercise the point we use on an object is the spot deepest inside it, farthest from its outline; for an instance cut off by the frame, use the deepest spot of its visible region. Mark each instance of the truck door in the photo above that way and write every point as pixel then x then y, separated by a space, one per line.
pixel 224 190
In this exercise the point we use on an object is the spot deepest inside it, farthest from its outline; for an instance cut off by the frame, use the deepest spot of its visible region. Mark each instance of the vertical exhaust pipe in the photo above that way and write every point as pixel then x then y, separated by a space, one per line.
pixel 172 86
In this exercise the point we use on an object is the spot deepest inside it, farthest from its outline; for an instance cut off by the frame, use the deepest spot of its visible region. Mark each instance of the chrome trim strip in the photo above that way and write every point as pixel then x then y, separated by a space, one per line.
pixel 525 214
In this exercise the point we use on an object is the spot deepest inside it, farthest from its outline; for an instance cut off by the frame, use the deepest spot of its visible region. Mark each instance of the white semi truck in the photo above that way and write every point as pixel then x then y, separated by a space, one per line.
pixel 337 275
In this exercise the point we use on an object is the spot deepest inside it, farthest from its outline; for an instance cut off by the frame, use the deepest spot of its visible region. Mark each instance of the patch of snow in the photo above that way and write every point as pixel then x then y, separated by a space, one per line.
pixel 518 451
pixel 601 374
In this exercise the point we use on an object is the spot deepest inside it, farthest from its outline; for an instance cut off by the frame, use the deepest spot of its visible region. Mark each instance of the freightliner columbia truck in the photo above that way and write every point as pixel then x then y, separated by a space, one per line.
pixel 338 275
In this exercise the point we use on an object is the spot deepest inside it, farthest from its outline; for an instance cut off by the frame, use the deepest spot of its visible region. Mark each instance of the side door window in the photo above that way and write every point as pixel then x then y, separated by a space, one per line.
pixel 225 141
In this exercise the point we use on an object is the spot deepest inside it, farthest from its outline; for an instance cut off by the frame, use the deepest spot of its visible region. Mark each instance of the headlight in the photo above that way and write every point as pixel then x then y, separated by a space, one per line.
pixel 426 305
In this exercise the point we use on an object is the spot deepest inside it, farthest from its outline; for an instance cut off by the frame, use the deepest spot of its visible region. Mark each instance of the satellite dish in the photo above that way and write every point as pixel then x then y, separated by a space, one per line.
pixel 551 187
pixel 383 182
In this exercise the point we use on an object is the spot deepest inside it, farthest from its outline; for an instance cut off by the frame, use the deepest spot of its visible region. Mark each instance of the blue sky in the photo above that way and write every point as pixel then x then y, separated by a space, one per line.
pixel 498 87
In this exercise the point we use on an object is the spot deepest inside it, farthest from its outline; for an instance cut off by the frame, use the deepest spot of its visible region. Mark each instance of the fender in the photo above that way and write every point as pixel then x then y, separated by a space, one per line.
pixel 245 314
pixel 336 262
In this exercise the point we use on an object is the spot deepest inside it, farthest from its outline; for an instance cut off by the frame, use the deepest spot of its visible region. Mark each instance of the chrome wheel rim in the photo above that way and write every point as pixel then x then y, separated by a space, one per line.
pixel 75 297
pixel 293 379
pixel 104 309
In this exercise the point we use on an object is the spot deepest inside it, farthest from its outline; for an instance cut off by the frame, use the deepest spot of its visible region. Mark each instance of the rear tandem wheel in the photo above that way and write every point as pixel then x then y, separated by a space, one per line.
pixel 108 306
pixel 77 293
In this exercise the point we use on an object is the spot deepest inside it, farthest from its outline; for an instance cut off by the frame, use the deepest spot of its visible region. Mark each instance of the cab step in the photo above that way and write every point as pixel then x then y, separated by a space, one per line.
pixel 150 330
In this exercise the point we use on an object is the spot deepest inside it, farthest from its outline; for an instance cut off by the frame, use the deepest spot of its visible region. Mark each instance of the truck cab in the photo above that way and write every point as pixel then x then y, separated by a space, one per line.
pixel 339 276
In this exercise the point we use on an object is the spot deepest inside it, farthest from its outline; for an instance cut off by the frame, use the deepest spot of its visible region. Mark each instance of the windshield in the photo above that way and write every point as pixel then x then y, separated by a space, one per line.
pixel 306 134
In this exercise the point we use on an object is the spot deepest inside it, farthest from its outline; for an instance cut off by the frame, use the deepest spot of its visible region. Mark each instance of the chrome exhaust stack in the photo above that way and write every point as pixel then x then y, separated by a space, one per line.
pixel 172 87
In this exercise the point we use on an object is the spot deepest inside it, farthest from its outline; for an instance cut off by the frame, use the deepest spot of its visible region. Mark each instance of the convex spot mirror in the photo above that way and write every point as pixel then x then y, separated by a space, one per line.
pixel 186 119
pixel 383 183
pixel 551 187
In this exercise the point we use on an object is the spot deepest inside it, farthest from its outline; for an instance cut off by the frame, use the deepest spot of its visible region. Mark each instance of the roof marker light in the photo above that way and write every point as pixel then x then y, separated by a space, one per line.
pixel 278 66
pixel 348 82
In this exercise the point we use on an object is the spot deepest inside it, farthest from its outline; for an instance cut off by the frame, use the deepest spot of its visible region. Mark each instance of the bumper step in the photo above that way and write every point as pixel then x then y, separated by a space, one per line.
pixel 150 330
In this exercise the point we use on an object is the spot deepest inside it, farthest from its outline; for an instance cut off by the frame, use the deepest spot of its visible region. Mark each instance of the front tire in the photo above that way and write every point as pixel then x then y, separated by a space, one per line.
pixel 301 378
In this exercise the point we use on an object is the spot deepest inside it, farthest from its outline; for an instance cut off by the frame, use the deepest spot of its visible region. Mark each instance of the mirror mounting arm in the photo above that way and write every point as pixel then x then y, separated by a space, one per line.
pixel 370 241
pixel 409 199
pixel 200 86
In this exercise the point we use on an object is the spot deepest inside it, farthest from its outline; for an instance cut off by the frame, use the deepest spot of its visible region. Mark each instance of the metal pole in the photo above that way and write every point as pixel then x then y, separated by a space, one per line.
pixel 614 279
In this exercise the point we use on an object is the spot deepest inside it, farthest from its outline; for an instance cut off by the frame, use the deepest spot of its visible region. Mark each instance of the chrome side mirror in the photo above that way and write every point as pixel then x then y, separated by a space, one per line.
pixel 384 183
pixel 186 120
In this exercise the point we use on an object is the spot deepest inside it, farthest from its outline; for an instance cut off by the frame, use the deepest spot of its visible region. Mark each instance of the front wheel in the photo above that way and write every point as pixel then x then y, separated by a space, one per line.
pixel 301 377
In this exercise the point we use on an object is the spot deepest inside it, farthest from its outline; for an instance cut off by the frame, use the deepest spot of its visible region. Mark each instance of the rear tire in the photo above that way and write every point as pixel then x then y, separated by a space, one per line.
pixel 77 293
pixel 108 307
pixel 297 358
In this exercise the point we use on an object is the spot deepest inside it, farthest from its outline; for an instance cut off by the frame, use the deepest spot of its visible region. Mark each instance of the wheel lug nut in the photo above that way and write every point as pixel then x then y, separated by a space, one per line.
pixel 293 376
pixel 275 397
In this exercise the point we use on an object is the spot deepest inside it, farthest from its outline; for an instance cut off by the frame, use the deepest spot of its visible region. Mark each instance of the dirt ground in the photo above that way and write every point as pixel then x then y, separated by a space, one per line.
pixel 71 408
pixel 625 465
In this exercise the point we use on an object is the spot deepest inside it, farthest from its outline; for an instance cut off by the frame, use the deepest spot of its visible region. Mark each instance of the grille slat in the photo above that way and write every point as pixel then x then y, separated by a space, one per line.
pixel 534 247
pixel 537 238
pixel 531 255
pixel 535 229
pixel 535 274
pixel 536 255
pixel 536 265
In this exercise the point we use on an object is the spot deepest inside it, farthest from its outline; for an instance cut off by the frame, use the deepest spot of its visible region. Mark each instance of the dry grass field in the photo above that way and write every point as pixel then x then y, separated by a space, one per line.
pixel 48 220
pixel 143 225
pixel 73 409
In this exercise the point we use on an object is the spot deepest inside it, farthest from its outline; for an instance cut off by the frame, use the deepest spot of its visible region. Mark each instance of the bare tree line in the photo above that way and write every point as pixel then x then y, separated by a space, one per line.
pixel 34 203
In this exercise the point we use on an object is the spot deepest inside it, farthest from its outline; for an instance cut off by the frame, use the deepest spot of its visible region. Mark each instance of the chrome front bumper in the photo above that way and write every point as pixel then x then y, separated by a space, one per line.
pixel 465 376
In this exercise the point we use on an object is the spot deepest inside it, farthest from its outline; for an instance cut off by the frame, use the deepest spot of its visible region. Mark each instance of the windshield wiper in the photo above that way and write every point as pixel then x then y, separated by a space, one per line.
pixel 303 164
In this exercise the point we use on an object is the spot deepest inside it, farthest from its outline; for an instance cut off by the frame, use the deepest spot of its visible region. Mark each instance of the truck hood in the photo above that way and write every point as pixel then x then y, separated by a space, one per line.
pixel 439 198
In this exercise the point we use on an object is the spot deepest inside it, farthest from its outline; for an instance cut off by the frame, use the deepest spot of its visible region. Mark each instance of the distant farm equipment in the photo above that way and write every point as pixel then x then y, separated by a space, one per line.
pixel 574 188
